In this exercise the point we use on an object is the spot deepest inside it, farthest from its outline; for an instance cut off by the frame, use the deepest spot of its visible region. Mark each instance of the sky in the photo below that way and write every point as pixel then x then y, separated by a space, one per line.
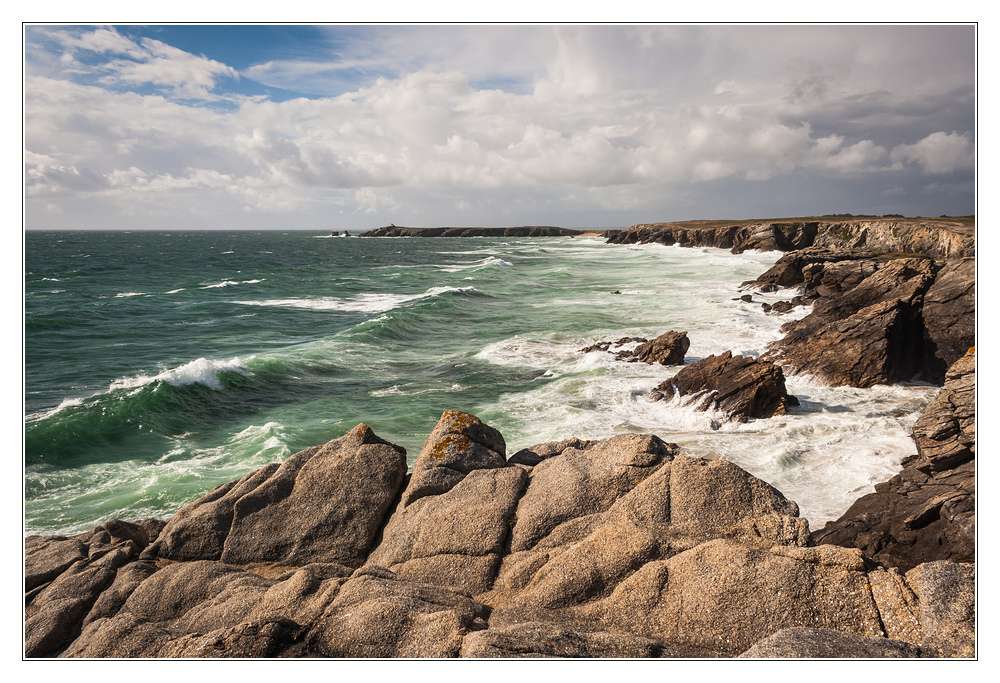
pixel 349 127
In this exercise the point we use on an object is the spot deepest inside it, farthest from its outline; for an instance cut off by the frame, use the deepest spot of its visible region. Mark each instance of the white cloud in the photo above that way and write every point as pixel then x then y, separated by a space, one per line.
pixel 938 152
pixel 162 65
pixel 147 62
pixel 861 156
pixel 615 115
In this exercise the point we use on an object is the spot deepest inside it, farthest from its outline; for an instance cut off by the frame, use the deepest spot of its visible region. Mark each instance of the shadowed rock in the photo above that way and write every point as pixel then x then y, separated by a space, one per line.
pixel 949 316
pixel 946 431
pixel 55 610
pixel 538 639
pixel 802 643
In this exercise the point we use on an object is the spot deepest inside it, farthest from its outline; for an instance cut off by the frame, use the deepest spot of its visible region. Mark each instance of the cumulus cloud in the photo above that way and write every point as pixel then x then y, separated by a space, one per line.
pixel 146 62
pixel 938 152
pixel 611 115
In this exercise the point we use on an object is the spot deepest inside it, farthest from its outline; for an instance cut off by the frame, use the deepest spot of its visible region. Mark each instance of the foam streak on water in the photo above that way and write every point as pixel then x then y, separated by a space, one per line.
pixel 244 348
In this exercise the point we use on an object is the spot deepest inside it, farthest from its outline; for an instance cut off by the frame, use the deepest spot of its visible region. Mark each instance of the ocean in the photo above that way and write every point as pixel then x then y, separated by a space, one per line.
pixel 161 364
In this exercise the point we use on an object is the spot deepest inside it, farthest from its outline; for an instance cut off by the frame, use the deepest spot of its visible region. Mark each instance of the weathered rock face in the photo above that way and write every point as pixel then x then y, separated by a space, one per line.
pixel 741 386
pixel 949 316
pixel 325 502
pixel 946 431
pixel 452 523
pixel 804 643
pixel 667 349
pixel 805 267
pixel 65 577
pixel 927 511
pixel 614 548
pixel 940 238
pixel 870 334
pixel 767 236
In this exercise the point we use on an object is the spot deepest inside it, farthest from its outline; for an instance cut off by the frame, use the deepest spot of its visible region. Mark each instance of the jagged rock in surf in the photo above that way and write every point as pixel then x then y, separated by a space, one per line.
pixel 740 386
pixel 667 349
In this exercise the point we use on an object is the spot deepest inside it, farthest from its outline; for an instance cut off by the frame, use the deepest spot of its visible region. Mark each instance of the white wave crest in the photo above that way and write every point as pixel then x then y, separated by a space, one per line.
pixel 482 263
pixel 66 403
pixel 363 303
pixel 202 371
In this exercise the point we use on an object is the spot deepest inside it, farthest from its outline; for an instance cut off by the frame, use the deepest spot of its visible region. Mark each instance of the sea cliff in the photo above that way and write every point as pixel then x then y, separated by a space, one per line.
pixel 623 547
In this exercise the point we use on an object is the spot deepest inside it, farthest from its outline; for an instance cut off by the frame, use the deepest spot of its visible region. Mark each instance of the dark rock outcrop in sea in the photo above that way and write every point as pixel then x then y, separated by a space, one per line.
pixel 739 386
pixel 617 548
pixel 518 231
pixel 667 349
pixel 927 511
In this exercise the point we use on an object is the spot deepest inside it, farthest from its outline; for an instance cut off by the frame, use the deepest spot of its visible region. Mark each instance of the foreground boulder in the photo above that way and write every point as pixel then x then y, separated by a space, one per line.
pixel 451 525
pixel 926 512
pixel 617 548
pixel 739 386
pixel 324 503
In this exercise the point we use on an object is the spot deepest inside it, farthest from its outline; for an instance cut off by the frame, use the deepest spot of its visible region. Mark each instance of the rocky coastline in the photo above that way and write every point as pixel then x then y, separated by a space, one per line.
pixel 519 231
pixel 623 548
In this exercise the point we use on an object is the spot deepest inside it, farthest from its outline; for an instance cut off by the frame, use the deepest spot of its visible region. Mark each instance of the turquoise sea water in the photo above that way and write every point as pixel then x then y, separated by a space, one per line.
pixel 159 365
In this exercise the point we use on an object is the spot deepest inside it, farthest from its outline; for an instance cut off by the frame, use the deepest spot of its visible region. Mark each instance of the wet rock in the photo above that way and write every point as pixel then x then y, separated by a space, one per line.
pixel 740 386
pixel 606 345
pixel 667 349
